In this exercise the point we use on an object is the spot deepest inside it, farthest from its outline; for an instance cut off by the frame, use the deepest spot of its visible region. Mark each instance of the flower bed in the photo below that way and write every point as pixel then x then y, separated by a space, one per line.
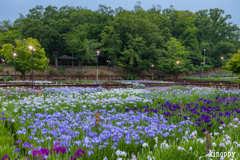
pixel 152 123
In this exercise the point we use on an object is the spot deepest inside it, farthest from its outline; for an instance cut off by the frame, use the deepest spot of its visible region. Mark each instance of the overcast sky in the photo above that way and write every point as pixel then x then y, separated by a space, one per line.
pixel 10 9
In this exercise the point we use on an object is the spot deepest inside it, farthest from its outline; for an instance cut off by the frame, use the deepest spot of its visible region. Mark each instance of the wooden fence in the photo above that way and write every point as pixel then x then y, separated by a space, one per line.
pixel 220 86
pixel 180 76
pixel 104 77
pixel 109 85
pixel 200 82
pixel 46 85
pixel 75 77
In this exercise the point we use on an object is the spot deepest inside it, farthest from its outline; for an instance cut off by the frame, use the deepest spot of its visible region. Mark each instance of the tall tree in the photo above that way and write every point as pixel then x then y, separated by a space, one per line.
pixel 131 54
pixel 175 52
pixel 213 26
pixel 111 44
pixel 234 63
pixel 5 26
pixel 24 54
pixel 9 37
pixel 221 49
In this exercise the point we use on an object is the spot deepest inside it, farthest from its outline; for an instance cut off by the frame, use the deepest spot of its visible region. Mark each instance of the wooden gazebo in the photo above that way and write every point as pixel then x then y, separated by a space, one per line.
pixel 68 58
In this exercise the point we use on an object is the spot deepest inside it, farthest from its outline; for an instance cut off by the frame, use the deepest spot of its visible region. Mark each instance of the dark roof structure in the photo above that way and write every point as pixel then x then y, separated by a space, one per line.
pixel 65 57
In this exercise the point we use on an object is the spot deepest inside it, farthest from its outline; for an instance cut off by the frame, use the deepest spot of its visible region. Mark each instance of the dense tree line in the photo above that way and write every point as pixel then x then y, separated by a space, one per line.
pixel 130 39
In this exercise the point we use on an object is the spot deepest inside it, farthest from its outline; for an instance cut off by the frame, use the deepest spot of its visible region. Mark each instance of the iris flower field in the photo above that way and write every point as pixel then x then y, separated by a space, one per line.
pixel 166 123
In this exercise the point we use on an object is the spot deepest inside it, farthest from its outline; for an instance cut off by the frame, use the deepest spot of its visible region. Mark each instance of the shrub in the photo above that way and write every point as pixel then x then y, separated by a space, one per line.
pixel 155 78
pixel 7 71
pixel 9 78
pixel 79 73
pixel 101 73
pixel 207 67
pixel 61 68
pixel 131 77
pixel 238 82
pixel 1 68
pixel 61 72
pixel 51 71
pixel 39 78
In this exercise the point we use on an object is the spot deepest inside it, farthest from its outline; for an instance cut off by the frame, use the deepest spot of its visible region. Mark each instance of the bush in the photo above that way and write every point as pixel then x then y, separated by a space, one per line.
pixel 238 82
pixel 1 68
pixel 101 73
pixel 7 71
pixel 61 72
pixel 39 78
pixel 9 78
pixel 51 71
pixel 155 78
pixel 131 77
pixel 207 67
pixel 79 73
pixel 61 68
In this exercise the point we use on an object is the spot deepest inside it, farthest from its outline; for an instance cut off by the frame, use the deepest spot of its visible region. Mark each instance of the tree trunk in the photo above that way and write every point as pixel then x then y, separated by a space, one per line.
pixel 81 66
pixel 115 62
pixel 56 62
pixel 23 75
pixel 55 53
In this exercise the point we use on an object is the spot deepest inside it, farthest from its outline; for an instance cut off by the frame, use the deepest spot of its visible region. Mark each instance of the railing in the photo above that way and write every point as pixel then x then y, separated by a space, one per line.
pixel 193 74
pixel 102 77
pixel 221 86
pixel 44 85
pixel 201 81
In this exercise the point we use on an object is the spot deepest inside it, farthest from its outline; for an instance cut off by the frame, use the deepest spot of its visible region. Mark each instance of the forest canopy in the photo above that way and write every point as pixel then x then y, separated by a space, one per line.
pixel 129 38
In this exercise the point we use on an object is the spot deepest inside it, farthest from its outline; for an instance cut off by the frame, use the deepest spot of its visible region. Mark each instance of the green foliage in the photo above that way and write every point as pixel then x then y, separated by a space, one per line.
pixel 51 71
pixel 131 77
pixel 24 55
pixel 198 68
pixel 9 78
pixel 130 39
pixel 207 67
pixel 1 68
pixel 39 78
pixel 176 52
pixel 79 73
pixel 131 56
pixel 88 53
pixel 234 63
pixel 222 49
pixel 101 73
pixel 61 72
pixel 7 71
pixel 9 37
pixel 196 57
pixel 238 82
pixel 61 68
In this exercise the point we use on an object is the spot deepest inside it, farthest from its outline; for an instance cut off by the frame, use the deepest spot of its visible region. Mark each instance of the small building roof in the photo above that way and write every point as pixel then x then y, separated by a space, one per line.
pixel 65 57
